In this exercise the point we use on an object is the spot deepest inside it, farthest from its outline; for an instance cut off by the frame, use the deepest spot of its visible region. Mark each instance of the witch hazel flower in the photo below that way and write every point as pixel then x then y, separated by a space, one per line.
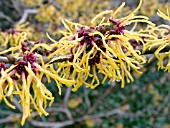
pixel 107 49
pixel 24 76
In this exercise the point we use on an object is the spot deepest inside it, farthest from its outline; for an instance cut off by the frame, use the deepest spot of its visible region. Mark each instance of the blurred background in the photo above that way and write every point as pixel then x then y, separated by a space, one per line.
pixel 144 103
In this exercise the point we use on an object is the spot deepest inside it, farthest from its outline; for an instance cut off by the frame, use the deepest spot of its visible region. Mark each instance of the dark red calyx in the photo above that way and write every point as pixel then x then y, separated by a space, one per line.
pixel 143 38
pixel 134 43
pixel 47 52
pixel 71 58
pixel 159 37
pixel 98 42
pixel 87 39
pixel 20 68
pixel 167 33
pixel 54 49
pixel 114 22
pixel 29 57
pixel 39 42
pixel 117 27
pixel 120 29
pixel 14 77
pixel 95 59
pixel 101 29
pixel 92 61
pixel 37 28
pixel 12 31
pixel 26 46
pixel 2 66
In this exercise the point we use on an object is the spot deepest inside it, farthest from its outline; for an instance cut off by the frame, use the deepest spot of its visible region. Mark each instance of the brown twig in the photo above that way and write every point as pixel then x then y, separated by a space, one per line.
pixel 10 118
pixel 17 116
pixel 118 112
pixel 6 59
pixel 6 112
pixel 100 100
pixel 10 59
pixel 52 109
pixel 70 122
pixel 66 98
pixel 16 4
pixel 87 101
pixel 2 15
pixel 51 124
pixel 59 109
pixel 18 106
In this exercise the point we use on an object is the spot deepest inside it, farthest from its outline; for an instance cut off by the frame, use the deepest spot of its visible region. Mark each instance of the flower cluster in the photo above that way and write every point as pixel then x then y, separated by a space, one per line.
pixel 160 37
pixel 104 49
pixel 27 75
pixel 16 35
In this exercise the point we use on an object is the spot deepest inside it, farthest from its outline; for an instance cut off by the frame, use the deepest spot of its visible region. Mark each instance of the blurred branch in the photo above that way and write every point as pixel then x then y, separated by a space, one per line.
pixel 102 114
pixel 50 124
pixel 122 114
pixel 17 116
pixel 66 98
pixel 10 118
pixel 15 103
pixel 53 109
pixel 4 59
pixel 68 113
pixel 6 112
pixel 2 15
pixel 86 97
pixel 26 13
pixel 100 100
pixel 11 59
pixel 118 112
pixel 16 5
pixel 18 106
pixel 70 122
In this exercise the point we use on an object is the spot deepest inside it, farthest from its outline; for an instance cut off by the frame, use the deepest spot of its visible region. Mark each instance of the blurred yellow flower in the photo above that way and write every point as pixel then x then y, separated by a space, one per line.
pixel 31 3
pixel 74 102
pixel 90 123
pixel 20 32
pixel 149 7
pixel 164 6
pixel 46 13
pixel 159 37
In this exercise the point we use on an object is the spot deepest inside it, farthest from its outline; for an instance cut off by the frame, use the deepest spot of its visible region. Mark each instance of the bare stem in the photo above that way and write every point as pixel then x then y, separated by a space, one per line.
pixel 10 59
pixel 100 100
pixel 26 13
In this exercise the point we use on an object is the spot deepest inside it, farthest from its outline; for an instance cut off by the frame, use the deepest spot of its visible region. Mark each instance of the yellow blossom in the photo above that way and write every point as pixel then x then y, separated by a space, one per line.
pixel 104 48
pixel 24 76
pixel 46 13
pixel 31 3
pixel 149 7
pixel 159 37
